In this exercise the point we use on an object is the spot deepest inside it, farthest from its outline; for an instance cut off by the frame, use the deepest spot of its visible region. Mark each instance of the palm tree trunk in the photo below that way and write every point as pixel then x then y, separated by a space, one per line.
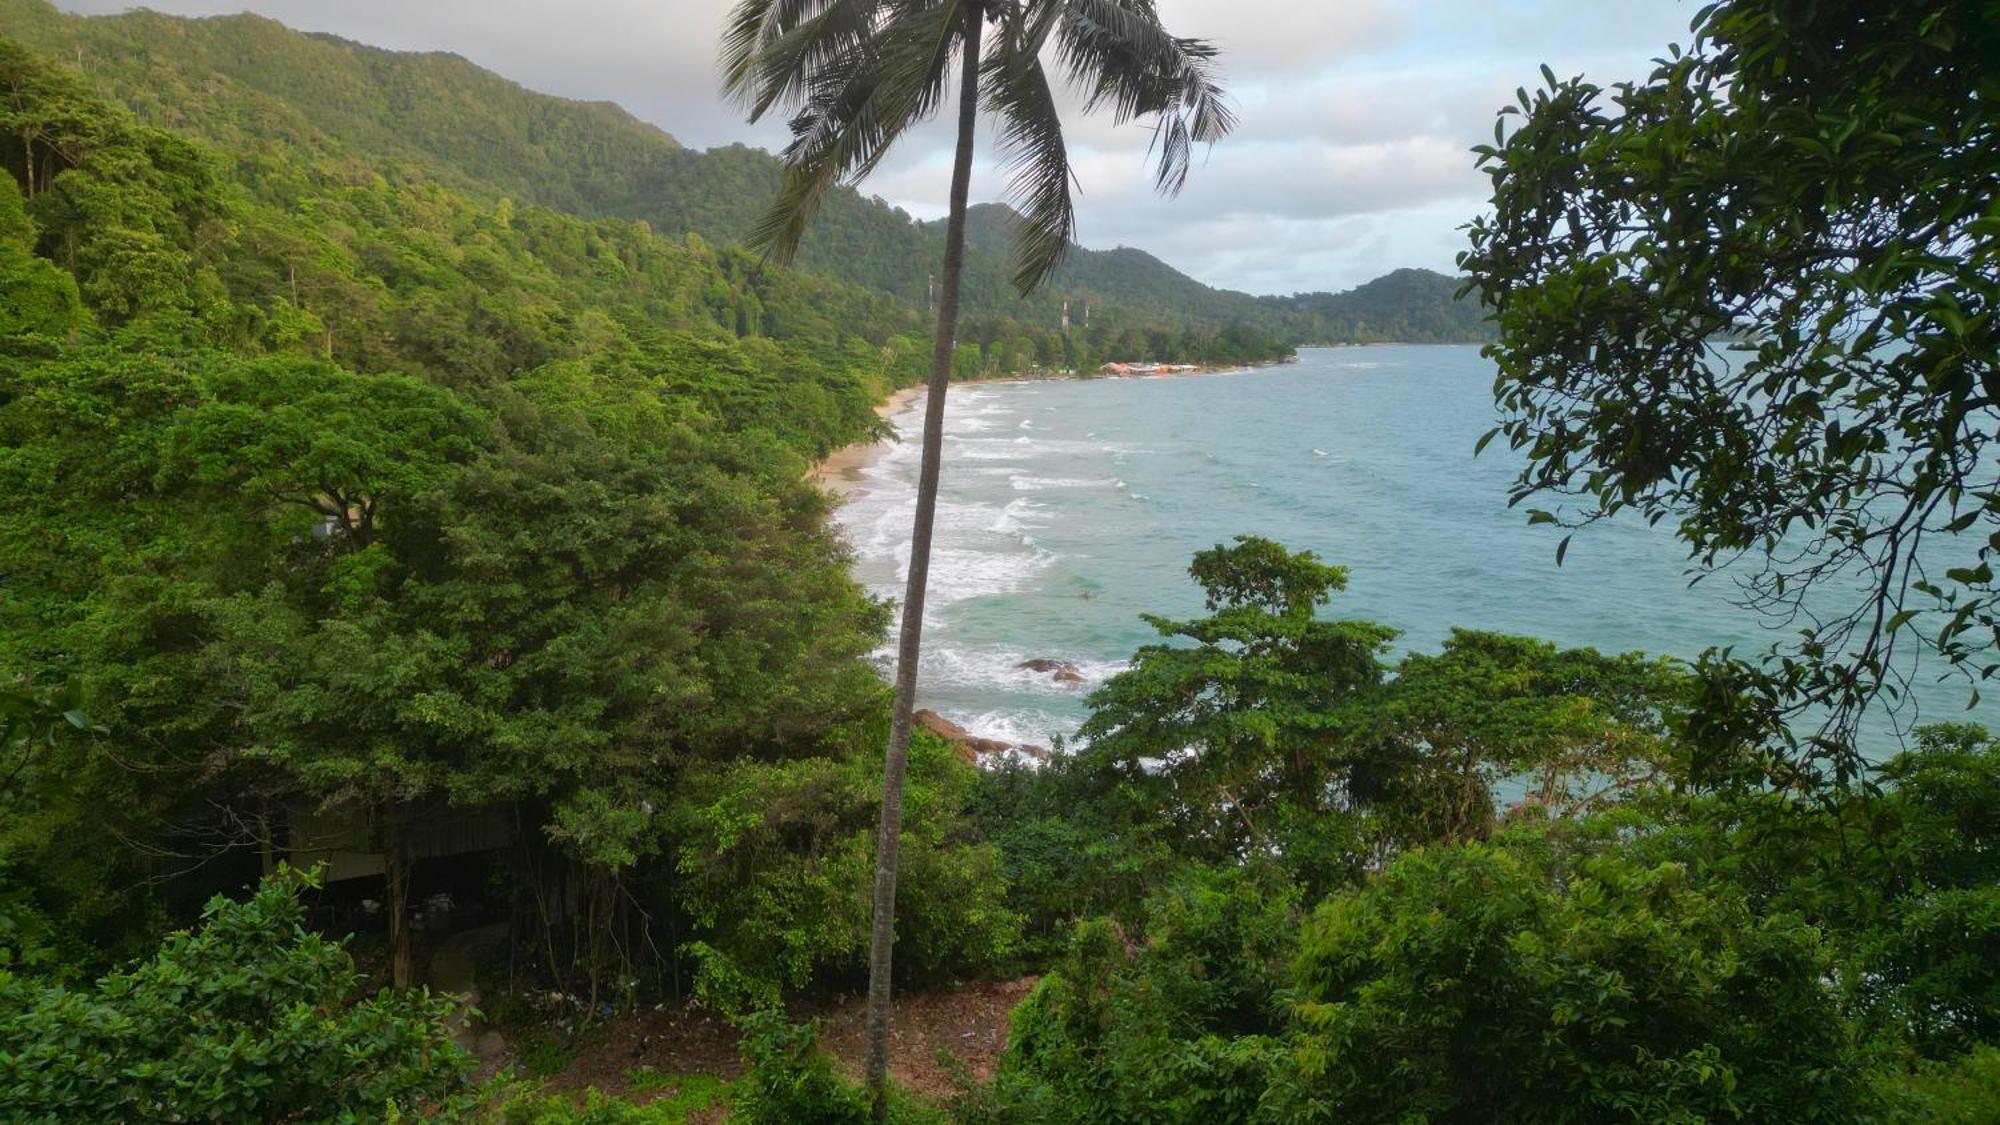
pixel 888 840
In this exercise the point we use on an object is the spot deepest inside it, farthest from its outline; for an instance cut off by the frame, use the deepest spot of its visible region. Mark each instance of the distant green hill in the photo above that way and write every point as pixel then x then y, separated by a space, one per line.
pixel 1407 306
pixel 243 82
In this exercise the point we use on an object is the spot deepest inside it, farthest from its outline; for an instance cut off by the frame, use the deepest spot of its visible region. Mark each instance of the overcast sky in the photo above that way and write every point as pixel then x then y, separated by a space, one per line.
pixel 1351 159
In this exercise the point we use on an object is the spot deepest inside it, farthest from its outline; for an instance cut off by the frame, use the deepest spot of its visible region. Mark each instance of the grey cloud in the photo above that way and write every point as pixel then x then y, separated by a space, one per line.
pixel 1261 37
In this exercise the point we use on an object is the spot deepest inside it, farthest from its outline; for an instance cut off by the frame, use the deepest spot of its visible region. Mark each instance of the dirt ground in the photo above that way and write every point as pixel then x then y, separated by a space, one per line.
pixel 968 1023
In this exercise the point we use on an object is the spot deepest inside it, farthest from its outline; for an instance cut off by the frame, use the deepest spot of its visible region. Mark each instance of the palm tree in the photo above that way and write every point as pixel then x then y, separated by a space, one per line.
pixel 856 76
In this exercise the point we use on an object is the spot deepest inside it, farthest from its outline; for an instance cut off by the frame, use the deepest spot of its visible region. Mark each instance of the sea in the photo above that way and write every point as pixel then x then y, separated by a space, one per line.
pixel 1071 507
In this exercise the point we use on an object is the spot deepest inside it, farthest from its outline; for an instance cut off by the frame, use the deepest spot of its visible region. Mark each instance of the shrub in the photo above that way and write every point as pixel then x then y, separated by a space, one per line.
pixel 248 1017
pixel 1479 983
pixel 790 1080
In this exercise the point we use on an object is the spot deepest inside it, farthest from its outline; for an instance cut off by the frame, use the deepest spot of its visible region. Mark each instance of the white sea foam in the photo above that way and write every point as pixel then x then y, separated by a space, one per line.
pixel 1025 483
pixel 960 574
pixel 991 450
pixel 999 669
pixel 1016 517
pixel 1022 728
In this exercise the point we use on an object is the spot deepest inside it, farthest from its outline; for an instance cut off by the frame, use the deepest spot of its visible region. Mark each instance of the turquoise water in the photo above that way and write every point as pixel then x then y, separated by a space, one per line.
pixel 1068 508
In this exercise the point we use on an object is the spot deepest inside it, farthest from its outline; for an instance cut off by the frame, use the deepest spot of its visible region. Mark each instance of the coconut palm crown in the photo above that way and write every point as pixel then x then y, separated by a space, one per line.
pixel 858 74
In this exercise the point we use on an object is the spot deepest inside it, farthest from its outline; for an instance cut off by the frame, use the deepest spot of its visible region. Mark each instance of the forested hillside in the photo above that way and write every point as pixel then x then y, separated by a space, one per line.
pixel 336 490
pixel 242 81
pixel 1408 306
pixel 245 82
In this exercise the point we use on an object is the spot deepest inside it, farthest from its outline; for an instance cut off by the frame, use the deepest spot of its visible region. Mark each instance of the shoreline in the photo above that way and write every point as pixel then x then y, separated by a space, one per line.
pixel 838 473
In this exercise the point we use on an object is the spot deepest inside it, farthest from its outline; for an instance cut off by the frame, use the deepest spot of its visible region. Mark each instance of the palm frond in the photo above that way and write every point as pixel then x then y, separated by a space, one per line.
pixel 773 50
pixel 1118 53
pixel 1035 155
pixel 854 109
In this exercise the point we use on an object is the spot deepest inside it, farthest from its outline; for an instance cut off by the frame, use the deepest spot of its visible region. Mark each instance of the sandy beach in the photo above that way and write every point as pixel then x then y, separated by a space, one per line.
pixel 841 470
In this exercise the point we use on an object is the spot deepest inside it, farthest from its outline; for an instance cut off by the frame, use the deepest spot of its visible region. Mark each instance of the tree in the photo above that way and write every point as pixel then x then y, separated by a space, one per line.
pixel 1579 729
pixel 859 74
pixel 1246 708
pixel 1814 181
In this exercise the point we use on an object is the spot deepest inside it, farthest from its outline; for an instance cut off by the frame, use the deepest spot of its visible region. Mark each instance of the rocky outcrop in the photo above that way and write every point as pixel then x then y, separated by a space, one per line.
pixel 1061 671
pixel 971 747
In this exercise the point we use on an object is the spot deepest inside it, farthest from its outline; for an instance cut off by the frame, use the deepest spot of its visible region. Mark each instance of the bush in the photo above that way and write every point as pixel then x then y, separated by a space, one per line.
pixel 790 1080
pixel 1965 1092
pixel 597 1109
pixel 248 1017
pixel 1178 1030
pixel 1479 983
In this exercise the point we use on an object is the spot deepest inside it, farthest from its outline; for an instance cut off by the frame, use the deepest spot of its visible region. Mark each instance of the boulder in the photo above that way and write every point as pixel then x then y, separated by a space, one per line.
pixel 933 723
pixel 939 725
pixel 970 747
pixel 1063 671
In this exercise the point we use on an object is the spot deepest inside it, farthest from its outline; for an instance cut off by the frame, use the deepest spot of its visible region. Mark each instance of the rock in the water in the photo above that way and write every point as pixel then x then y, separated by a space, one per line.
pixel 933 723
pixel 939 725
pixel 1063 671
pixel 970 747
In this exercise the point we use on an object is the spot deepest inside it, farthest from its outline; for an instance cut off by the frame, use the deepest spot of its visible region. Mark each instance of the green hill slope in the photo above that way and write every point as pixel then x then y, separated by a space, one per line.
pixel 1408 306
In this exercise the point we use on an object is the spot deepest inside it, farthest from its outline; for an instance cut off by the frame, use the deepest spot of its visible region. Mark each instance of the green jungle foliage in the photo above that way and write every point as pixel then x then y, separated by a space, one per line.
pixel 1619 944
pixel 247 1017
pixel 1814 180
pixel 356 495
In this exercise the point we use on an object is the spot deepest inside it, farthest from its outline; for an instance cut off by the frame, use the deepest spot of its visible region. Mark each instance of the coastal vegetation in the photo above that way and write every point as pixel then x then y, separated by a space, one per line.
pixel 1818 177
pixel 406 561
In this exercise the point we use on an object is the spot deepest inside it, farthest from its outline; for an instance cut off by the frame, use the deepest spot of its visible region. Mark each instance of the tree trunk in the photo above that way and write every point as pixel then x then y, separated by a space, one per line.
pixel 888 840
pixel 396 872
